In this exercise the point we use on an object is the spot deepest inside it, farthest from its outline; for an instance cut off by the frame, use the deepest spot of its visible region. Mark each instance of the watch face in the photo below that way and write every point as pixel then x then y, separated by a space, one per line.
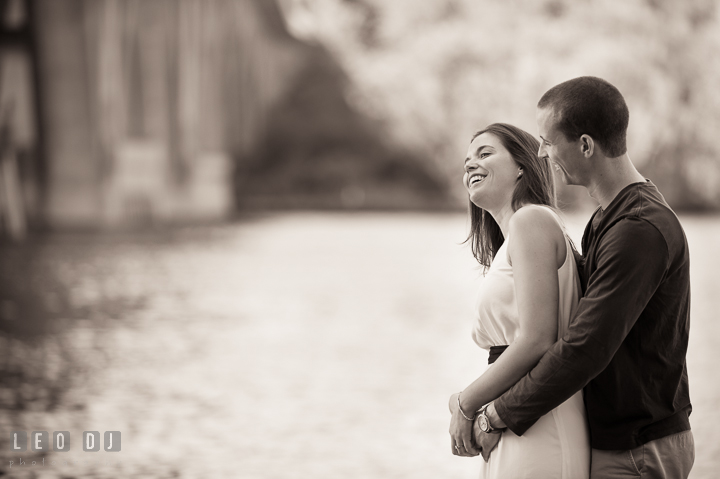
pixel 484 425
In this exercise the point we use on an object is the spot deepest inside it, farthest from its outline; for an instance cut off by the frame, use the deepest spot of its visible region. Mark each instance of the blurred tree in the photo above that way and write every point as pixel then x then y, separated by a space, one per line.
pixel 318 151
pixel 437 71
pixel 146 104
pixel 685 158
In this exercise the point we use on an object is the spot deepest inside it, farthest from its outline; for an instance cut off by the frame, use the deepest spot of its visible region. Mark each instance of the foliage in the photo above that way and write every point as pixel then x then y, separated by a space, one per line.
pixel 318 151
pixel 438 70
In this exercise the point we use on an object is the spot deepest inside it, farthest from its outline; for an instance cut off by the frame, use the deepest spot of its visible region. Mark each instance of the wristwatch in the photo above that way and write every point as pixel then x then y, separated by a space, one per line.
pixel 484 421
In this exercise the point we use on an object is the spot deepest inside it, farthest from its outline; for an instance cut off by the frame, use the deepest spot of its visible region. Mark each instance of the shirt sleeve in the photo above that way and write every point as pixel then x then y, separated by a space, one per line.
pixel 632 259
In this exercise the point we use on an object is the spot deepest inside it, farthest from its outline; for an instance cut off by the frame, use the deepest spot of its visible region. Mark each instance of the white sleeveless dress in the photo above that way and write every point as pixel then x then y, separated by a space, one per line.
pixel 558 444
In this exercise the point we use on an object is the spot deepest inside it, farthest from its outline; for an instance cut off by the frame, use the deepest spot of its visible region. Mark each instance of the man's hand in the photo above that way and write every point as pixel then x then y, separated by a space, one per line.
pixel 488 441
pixel 493 417
pixel 485 441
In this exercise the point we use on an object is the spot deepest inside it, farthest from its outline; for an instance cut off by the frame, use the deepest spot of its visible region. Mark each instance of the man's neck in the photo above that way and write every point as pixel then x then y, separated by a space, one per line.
pixel 610 177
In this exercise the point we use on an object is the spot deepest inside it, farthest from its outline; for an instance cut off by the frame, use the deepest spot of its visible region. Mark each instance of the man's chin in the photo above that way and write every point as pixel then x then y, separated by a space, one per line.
pixel 566 179
pixel 570 181
pixel 560 174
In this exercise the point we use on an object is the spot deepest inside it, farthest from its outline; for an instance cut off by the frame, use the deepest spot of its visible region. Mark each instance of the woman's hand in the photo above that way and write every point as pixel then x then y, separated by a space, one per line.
pixel 461 431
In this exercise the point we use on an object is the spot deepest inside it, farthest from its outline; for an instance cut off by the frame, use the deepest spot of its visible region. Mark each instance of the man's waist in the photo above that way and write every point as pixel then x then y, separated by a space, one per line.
pixel 614 432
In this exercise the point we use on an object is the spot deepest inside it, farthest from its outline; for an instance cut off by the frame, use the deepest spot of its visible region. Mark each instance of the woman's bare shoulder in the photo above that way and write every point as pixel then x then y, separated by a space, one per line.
pixel 535 219
pixel 535 229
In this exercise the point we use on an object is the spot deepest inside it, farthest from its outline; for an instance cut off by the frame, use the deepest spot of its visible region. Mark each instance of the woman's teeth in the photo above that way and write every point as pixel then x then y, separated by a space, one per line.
pixel 476 179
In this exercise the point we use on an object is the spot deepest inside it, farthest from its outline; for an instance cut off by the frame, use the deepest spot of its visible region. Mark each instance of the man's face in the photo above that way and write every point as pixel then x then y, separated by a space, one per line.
pixel 566 156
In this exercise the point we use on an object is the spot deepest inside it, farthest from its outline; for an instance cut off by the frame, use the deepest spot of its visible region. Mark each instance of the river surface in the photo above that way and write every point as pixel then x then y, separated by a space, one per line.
pixel 303 345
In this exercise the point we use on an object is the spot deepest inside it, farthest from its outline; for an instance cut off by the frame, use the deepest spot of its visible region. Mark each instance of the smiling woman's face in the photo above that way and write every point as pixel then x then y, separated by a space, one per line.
pixel 490 173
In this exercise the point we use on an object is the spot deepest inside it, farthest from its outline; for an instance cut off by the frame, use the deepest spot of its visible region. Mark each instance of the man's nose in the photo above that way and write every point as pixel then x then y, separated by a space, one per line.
pixel 541 150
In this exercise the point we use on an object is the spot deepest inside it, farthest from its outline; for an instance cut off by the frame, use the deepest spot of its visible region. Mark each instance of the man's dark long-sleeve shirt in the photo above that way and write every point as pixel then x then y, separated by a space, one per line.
pixel 626 345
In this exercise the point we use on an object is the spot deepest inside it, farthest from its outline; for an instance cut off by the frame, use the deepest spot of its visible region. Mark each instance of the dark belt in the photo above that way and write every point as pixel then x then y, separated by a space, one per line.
pixel 495 352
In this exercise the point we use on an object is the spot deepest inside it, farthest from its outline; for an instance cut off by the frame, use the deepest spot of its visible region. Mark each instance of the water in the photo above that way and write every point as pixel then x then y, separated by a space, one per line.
pixel 304 345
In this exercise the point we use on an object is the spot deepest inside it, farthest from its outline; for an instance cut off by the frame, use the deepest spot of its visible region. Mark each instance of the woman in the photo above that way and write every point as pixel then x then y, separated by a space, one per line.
pixel 529 294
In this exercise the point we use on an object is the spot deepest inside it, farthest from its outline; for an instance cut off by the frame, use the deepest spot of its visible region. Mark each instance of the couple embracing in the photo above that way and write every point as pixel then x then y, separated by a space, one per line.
pixel 588 374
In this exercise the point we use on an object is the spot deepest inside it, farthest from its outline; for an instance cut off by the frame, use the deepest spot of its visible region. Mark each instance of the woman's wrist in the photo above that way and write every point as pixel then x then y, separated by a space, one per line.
pixel 464 410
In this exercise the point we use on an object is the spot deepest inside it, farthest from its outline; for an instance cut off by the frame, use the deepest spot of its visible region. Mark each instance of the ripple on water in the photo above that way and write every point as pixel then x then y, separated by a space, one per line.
pixel 301 345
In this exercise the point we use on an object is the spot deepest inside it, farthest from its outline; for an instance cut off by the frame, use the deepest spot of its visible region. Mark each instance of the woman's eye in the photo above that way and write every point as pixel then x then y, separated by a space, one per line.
pixel 483 155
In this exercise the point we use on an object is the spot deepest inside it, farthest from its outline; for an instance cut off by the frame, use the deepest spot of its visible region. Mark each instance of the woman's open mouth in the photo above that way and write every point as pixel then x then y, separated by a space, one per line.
pixel 475 179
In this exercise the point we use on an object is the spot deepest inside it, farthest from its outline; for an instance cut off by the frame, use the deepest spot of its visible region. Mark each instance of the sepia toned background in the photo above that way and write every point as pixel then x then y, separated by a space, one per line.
pixel 233 229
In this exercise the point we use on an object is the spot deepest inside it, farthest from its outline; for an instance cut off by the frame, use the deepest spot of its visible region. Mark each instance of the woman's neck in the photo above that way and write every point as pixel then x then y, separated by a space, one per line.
pixel 502 217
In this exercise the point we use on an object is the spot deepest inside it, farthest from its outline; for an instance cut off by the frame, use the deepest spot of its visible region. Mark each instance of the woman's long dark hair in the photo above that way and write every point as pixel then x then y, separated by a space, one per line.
pixel 535 186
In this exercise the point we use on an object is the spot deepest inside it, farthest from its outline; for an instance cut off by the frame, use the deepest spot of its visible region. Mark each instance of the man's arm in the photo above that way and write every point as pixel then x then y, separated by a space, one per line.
pixel 632 259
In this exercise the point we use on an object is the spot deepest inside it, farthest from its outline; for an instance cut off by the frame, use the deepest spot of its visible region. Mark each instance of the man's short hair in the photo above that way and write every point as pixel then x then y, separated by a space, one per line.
pixel 592 106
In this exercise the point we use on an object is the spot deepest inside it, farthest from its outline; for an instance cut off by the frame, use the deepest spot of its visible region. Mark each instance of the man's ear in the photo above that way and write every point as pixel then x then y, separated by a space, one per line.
pixel 587 146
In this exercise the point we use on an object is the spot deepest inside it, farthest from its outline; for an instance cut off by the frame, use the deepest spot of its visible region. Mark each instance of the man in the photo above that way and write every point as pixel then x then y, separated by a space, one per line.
pixel 626 346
